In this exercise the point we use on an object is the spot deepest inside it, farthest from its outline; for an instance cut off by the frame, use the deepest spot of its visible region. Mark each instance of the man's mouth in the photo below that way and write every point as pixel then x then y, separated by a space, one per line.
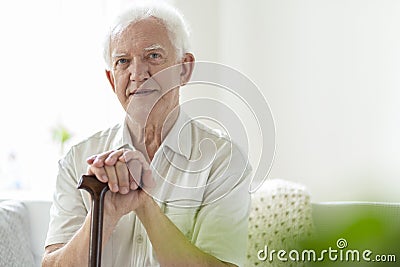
pixel 142 92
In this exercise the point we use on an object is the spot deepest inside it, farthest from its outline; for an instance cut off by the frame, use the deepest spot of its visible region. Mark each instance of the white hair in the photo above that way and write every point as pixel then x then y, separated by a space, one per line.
pixel 178 29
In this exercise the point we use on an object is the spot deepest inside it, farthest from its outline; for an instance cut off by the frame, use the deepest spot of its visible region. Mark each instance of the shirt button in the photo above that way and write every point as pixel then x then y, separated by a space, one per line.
pixel 139 239
pixel 188 235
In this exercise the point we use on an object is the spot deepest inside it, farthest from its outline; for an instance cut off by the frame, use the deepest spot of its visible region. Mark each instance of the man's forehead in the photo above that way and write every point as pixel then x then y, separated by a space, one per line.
pixel 116 53
pixel 149 32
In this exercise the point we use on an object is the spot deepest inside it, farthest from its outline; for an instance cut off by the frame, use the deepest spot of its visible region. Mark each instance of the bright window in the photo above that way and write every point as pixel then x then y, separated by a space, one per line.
pixel 52 78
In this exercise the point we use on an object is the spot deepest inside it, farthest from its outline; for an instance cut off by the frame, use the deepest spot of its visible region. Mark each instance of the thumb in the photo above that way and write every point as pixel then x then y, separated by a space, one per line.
pixel 148 180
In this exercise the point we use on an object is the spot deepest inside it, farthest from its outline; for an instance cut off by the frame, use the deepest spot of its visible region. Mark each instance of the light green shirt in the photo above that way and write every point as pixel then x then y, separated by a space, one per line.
pixel 202 186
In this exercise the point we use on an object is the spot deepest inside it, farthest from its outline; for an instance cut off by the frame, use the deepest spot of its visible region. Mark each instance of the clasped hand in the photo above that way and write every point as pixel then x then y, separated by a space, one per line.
pixel 126 172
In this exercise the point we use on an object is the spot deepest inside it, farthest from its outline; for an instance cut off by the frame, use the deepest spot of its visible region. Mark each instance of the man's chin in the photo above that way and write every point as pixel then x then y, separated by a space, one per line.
pixel 139 117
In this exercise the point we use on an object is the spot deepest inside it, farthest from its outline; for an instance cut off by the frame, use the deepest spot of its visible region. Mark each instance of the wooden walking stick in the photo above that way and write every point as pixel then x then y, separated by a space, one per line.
pixel 97 190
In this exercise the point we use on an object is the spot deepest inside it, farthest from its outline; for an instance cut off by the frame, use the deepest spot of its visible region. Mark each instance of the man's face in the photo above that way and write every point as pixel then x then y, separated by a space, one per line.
pixel 137 53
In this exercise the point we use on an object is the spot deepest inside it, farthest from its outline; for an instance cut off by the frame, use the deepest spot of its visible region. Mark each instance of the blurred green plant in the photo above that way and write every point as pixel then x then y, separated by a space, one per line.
pixel 374 228
pixel 61 135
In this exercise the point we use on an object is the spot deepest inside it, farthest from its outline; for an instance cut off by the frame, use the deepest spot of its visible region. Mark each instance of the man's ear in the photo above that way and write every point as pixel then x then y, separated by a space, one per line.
pixel 110 79
pixel 187 68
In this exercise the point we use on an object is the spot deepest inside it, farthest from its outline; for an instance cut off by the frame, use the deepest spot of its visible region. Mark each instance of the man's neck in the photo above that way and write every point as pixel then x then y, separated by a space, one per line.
pixel 148 139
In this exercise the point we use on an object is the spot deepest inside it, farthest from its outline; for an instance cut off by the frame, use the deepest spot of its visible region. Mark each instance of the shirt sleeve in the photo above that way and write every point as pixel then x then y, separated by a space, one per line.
pixel 68 211
pixel 221 226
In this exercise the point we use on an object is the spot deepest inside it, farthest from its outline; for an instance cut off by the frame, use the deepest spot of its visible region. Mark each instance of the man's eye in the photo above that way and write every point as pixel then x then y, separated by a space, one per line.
pixel 122 61
pixel 154 55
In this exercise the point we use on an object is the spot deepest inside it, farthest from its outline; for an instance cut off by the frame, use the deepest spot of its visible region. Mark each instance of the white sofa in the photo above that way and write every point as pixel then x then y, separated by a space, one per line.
pixel 283 217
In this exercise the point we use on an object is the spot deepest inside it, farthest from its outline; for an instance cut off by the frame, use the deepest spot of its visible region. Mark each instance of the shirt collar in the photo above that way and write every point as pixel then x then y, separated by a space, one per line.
pixel 179 138
pixel 122 138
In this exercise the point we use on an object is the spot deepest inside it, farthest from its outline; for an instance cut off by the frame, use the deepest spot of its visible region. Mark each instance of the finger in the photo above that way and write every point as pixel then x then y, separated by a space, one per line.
pixel 112 158
pixel 129 155
pixel 100 173
pixel 132 183
pixel 122 176
pixel 112 178
pixel 89 171
pixel 148 180
pixel 100 158
pixel 90 159
pixel 135 170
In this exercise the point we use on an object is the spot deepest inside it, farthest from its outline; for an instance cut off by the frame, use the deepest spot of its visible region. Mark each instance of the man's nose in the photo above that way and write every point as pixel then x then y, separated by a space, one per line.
pixel 139 70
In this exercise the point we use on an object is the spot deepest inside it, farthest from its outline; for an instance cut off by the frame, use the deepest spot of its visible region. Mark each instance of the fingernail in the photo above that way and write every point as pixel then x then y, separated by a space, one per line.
pixel 133 186
pixel 124 190
pixel 114 188
pixel 104 177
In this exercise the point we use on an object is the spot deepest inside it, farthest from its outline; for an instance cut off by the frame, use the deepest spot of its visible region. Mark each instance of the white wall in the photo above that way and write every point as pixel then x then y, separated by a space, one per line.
pixel 52 74
pixel 330 72
pixel 329 69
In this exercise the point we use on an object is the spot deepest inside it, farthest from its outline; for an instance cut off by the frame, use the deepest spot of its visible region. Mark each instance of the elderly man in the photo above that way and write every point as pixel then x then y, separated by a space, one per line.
pixel 170 203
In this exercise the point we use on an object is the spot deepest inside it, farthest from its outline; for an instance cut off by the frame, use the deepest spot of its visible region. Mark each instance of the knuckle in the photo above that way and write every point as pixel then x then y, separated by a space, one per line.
pixel 105 154
pixel 114 154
